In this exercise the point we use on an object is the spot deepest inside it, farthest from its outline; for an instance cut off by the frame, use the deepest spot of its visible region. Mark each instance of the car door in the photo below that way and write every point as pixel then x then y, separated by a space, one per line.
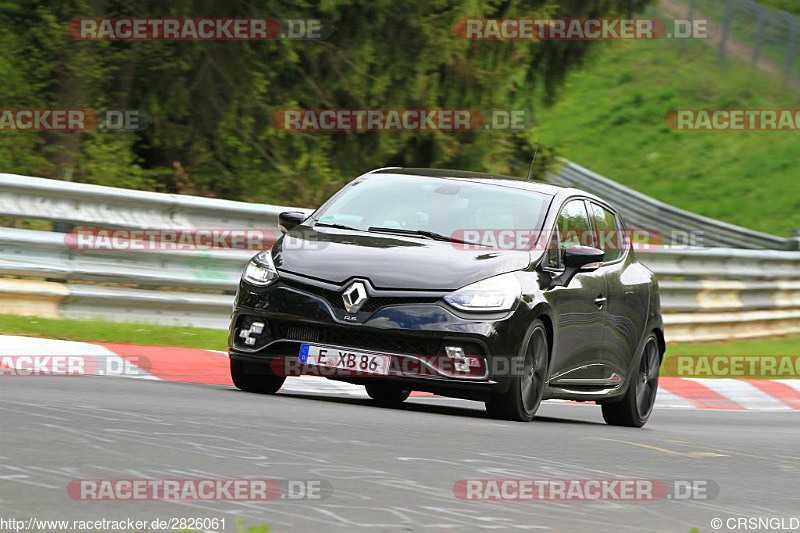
pixel 626 292
pixel 578 310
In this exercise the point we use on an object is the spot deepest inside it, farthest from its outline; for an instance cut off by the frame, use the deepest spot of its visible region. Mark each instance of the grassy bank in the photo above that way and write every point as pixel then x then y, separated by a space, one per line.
pixel 788 345
pixel 745 178
pixel 98 331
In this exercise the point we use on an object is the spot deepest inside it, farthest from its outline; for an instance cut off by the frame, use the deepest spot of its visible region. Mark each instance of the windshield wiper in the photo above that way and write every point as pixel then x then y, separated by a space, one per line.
pixel 422 233
pixel 334 225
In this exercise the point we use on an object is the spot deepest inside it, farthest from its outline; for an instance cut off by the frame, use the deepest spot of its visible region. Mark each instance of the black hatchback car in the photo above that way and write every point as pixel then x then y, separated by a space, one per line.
pixel 462 284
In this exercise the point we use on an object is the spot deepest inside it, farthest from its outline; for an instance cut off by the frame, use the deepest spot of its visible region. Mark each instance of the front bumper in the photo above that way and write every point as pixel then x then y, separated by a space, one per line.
pixel 298 311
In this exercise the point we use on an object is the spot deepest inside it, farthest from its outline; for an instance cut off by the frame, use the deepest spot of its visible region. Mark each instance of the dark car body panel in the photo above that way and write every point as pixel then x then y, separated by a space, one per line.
pixel 333 255
pixel 593 347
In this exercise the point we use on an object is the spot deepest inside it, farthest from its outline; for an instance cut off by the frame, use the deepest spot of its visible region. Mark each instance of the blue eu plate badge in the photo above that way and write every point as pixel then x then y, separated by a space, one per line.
pixel 303 355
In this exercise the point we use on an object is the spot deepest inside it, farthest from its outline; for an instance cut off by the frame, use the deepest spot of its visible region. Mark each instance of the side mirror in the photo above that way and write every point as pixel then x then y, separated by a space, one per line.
pixel 289 219
pixel 576 258
pixel 580 256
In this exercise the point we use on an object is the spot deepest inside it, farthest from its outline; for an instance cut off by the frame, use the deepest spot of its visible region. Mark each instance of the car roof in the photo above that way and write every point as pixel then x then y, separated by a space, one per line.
pixel 487 178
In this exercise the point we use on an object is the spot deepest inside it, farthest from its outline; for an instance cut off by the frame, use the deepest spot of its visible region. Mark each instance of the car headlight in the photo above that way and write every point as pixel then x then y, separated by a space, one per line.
pixel 499 293
pixel 260 270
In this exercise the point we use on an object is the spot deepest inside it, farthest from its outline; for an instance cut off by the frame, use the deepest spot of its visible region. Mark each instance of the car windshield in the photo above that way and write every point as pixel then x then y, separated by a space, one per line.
pixel 447 207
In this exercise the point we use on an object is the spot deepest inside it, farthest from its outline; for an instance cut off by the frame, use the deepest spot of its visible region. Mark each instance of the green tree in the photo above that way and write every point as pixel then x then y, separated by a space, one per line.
pixel 211 101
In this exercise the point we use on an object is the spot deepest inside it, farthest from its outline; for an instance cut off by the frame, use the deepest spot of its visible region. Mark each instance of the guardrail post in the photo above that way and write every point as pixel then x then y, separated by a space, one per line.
pixel 792 42
pixel 794 242
pixel 726 26
pixel 759 33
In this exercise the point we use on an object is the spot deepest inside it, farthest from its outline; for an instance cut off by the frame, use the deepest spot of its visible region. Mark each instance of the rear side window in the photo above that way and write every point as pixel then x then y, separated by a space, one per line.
pixel 608 236
pixel 573 230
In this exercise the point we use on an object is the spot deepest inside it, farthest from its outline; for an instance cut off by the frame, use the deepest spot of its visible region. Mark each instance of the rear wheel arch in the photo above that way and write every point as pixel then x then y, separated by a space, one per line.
pixel 635 406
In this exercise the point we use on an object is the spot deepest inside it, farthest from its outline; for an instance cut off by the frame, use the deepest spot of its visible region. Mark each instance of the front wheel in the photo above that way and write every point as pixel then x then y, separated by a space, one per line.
pixel 525 393
pixel 263 383
pixel 635 407
pixel 387 395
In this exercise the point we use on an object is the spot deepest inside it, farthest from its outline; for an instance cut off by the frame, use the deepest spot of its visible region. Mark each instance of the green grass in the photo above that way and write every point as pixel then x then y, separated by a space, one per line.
pixel 610 119
pixel 98 331
pixel 776 41
pixel 789 345
pixel 787 5
pixel 774 346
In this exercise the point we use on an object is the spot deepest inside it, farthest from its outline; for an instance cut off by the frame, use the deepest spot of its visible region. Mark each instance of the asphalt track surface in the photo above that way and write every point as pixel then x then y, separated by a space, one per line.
pixel 391 469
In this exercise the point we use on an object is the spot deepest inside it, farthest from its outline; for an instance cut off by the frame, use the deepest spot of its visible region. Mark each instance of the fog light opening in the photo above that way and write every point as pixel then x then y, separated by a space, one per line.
pixel 249 335
pixel 460 361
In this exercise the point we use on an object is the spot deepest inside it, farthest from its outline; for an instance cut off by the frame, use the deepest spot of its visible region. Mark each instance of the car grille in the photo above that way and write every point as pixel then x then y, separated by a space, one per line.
pixel 334 298
pixel 352 338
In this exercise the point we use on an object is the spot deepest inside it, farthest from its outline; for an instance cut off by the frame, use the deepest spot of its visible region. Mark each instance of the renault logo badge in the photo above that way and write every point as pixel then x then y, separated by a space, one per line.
pixel 354 296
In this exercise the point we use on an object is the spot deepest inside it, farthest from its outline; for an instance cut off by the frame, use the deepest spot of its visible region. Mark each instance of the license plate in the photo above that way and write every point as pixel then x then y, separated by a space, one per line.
pixel 353 361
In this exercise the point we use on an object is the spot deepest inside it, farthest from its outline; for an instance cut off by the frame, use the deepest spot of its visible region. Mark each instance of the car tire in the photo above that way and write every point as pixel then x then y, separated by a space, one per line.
pixel 635 407
pixel 526 390
pixel 387 395
pixel 262 383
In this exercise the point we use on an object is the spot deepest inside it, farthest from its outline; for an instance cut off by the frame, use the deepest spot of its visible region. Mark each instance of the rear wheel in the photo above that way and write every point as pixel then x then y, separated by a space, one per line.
pixel 264 382
pixel 525 394
pixel 386 394
pixel 635 407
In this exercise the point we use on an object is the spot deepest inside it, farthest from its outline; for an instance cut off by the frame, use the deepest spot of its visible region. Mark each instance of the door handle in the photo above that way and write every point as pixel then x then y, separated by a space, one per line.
pixel 600 300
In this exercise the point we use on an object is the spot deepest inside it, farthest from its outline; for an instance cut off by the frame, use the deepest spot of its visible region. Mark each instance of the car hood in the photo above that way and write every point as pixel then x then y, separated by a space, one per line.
pixel 390 261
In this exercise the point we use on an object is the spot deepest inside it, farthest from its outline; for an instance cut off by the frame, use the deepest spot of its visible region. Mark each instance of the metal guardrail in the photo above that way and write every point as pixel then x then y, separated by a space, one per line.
pixel 96 205
pixel 48 299
pixel 147 306
pixel 643 212
pixel 698 305
pixel 714 263
pixel 728 295
pixel 79 203
pixel 707 294
pixel 45 254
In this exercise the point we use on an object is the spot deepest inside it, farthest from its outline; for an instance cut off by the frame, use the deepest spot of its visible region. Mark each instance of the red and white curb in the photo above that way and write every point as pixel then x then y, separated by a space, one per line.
pixel 194 365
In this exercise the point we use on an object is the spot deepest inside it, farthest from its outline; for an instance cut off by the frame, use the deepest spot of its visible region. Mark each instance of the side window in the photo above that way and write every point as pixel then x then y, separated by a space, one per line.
pixel 573 229
pixel 608 235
